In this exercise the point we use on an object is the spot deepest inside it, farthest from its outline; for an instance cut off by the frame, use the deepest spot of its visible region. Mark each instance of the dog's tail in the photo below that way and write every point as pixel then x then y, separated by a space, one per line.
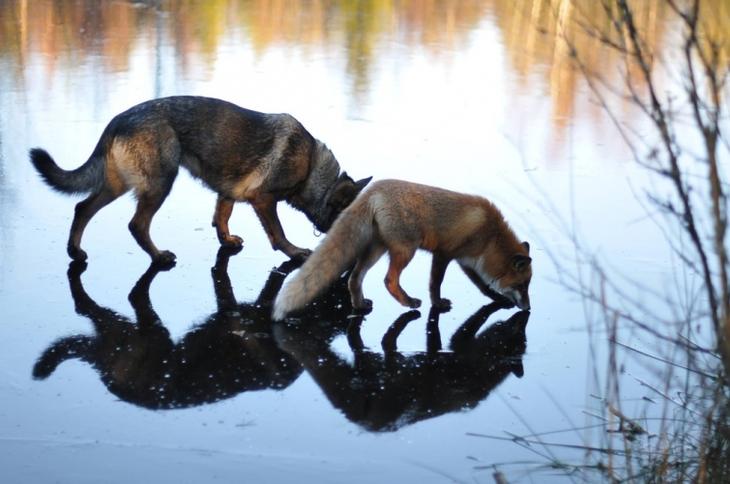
pixel 60 351
pixel 87 178
pixel 350 235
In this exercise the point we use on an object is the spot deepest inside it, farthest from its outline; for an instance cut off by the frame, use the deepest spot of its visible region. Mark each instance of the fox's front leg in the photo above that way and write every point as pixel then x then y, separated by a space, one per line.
pixel 438 270
pixel 265 208
pixel 485 289
pixel 399 259
pixel 223 210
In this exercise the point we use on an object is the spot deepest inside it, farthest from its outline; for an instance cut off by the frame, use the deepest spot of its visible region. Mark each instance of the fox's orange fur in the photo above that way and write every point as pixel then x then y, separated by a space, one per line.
pixel 400 217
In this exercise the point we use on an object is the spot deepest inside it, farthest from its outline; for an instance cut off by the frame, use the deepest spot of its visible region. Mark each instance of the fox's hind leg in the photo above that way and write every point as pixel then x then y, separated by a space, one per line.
pixel 400 256
pixel 223 210
pixel 82 214
pixel 148 203
pixel 354 283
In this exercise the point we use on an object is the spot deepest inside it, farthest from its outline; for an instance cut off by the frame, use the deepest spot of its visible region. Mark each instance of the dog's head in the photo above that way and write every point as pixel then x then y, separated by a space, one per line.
pixel 343 192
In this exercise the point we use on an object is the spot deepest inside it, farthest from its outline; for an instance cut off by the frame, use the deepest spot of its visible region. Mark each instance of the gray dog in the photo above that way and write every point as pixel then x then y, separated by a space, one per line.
pixel 238 153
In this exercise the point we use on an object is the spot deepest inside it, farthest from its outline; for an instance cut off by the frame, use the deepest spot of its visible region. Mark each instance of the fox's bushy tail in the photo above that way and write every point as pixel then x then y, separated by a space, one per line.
pixel 84 179
pixel 350 235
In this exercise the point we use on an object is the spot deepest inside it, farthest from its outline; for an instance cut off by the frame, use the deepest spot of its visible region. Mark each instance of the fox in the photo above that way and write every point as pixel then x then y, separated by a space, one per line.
pixel 240 154
pixel 400 217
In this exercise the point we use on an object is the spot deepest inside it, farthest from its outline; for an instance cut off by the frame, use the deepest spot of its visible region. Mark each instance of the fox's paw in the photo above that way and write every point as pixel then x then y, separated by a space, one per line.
pixel 442 304
pixel 413 303
pixel 165 259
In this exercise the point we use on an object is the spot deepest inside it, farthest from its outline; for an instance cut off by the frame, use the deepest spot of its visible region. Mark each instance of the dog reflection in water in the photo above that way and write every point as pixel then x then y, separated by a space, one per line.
pixel 386 391
pixel 233 351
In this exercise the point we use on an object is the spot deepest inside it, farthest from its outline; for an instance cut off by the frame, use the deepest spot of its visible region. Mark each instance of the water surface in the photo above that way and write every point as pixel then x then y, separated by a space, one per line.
pixel 115 373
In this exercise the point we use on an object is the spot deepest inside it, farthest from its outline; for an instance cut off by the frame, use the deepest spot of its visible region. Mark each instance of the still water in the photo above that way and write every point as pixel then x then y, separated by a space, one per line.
pixel 116 372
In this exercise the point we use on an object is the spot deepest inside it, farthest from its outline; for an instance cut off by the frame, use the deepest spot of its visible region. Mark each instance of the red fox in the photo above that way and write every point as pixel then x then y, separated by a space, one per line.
pixel 400 217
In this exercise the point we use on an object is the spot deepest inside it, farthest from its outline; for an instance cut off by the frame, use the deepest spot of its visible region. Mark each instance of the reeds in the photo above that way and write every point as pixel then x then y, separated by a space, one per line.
pixel 681 335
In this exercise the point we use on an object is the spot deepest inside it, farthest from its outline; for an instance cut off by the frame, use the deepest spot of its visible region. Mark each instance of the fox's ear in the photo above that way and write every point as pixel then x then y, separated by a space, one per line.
pixel 360 184
pixel 520 262
pixel 526 245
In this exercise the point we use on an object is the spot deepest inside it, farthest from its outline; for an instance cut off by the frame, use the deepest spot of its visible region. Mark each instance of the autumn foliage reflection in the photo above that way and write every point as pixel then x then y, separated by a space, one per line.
pixel 69 32
pixel 537 34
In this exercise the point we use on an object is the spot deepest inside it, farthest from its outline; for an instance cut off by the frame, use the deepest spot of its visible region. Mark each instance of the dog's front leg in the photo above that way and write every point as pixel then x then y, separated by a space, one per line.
pixel 223 210
pixel 265 208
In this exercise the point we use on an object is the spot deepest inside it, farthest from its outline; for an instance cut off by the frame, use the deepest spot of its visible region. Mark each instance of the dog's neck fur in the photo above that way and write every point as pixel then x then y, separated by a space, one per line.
pixel 313 195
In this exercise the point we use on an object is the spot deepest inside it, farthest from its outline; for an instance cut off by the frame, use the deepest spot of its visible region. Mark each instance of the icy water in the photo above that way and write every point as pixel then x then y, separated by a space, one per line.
pixel 118 373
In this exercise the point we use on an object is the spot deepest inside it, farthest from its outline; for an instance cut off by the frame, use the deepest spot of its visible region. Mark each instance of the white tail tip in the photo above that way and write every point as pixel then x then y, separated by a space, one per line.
pixel 278 313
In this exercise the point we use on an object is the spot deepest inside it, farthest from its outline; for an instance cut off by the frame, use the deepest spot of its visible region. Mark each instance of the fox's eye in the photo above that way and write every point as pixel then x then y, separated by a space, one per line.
pixel 522 286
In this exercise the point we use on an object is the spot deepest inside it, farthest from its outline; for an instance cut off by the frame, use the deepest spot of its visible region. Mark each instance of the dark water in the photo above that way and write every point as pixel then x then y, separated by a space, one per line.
pixel 116 373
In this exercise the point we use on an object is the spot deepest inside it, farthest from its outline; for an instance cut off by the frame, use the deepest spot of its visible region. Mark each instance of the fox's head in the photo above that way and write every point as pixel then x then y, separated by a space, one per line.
pixel 503 271
pixel 515 281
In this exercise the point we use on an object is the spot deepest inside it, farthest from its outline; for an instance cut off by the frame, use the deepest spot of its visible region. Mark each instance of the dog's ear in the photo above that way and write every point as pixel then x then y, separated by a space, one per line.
pixel 360 184
pixel 343 194
pixel 526 245
pixel 345 177
pixel 517 369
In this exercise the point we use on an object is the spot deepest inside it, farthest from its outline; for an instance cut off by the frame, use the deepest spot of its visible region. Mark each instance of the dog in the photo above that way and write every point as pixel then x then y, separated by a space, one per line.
pixel 231 352
pixel 240 154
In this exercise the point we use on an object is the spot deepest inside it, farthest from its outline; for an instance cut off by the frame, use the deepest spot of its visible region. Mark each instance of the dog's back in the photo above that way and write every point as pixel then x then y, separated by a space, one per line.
pixel 231 149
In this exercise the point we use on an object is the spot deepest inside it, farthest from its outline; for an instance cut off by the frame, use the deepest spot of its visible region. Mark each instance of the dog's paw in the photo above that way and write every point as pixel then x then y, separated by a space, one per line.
pixel 362 308
pixel 413 303
pixel 165 259
pixel 76 268
pixel 442 304
pixel 300 255
pixel 76 253
pixel 225 251
pixel 232 242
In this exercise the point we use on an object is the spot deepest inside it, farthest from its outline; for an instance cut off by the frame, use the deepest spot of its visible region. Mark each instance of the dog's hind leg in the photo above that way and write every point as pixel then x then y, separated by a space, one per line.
pixel 223 210
pixel 148 203
pixel 83 213
pixel 265 208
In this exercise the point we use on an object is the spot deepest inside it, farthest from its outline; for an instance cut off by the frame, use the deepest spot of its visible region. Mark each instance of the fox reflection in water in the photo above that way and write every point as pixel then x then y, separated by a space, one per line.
pixel 386 391
pixel 231 352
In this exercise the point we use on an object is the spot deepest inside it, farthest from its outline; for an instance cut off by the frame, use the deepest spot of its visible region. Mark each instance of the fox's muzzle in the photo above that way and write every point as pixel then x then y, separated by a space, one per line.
pixel 520 299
